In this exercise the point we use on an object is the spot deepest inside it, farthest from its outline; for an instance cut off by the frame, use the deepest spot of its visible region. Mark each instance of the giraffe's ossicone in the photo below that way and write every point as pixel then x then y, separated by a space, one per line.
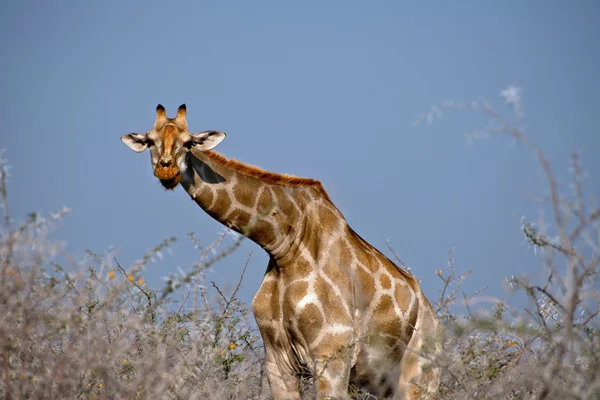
pixel 330 304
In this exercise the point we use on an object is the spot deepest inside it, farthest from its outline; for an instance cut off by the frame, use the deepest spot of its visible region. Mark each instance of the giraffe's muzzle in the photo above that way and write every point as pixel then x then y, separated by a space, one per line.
pixel 169 176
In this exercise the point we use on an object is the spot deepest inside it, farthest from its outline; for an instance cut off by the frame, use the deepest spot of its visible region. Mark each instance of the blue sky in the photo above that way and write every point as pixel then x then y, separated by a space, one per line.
pixel 327 90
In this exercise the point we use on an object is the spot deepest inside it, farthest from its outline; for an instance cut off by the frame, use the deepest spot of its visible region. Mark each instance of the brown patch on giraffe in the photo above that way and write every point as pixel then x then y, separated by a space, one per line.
pixel 365 285
pixel 338 267
pixel 262 232
pixel 269 177
pixel 385 281
pixel 345 256
pixel 328 219
pixel 298 269
pixel 310 322
pixel 364 258
pixel 339 275
pixel 287 213
pixel 305 198
pixel 292 296
pixel 266 303
pixel 335 343
pixel 403 295
pixel 245 195
pixel 313 237
pixel 242 221
pixel 206 195
pixel 336 313
pixel 222 203
pixel 385 318
pixel 275 306
pixel 265 204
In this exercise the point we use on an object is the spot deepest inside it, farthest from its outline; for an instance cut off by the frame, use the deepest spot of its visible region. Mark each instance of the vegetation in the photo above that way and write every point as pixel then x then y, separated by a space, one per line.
pixel 97 330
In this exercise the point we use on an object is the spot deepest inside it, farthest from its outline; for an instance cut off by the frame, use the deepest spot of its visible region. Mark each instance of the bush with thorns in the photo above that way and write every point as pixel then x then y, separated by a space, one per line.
pixel 93 328
pixel 551 347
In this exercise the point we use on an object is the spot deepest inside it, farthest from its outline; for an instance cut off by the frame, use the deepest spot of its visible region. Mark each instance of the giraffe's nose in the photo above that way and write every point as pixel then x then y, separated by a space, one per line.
pixel 165 161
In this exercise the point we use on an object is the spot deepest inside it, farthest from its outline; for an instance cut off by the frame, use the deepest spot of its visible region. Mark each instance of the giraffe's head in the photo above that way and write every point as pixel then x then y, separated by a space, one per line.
pixel 169 142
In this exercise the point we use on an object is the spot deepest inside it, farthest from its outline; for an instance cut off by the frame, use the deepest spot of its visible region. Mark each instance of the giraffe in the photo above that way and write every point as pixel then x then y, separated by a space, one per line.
pixel 330 305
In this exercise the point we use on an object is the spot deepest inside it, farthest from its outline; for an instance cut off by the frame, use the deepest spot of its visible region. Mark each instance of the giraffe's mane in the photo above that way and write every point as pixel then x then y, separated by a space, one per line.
pixel 266 176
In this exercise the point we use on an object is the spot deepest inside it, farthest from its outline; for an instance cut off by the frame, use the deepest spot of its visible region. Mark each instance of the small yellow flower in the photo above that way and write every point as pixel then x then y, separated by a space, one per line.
pixel 140 387
pixel 131 278
pixel 232 346
pixel 100 385
pixel 111 274
pixel 511 344
pixel 140 282
pixel 125 361
pixel 89 385
pixel 438 272
pixel 222 352
pixel 31 379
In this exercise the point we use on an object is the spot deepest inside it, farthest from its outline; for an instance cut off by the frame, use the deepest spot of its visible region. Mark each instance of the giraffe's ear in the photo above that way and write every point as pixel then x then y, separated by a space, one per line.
pixel 204 141
pixel 137 142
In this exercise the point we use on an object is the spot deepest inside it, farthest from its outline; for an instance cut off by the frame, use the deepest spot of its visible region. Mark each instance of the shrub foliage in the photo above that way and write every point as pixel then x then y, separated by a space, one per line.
pixel 92 328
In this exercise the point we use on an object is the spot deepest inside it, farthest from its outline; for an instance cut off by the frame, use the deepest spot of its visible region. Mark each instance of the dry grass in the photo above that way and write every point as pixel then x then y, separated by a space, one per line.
pixel 92 328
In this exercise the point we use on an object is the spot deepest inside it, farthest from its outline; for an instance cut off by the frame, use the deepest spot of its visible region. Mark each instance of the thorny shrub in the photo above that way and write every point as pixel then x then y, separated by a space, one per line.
pixel 101 332
pixel 92 328
pixel 549 348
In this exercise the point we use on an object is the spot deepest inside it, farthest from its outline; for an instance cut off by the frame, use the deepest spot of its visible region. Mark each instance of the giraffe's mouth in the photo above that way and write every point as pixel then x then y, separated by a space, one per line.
pixel 169 176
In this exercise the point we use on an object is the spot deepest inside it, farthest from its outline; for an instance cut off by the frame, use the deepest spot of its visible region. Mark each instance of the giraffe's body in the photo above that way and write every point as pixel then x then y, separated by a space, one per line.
pixel 330 305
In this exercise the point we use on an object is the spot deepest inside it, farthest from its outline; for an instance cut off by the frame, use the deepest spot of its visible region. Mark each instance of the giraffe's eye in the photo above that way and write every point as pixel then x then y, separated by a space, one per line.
pixel 149 142
pixel 188 144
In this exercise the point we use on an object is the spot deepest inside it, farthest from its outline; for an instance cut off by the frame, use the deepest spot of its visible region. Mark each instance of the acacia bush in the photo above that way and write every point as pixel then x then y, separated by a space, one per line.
pixel 92 328
pixel 549 348
pixel 95 329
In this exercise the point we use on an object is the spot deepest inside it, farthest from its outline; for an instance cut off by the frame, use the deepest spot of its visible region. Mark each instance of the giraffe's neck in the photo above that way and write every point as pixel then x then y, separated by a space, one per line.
pixel 267 213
